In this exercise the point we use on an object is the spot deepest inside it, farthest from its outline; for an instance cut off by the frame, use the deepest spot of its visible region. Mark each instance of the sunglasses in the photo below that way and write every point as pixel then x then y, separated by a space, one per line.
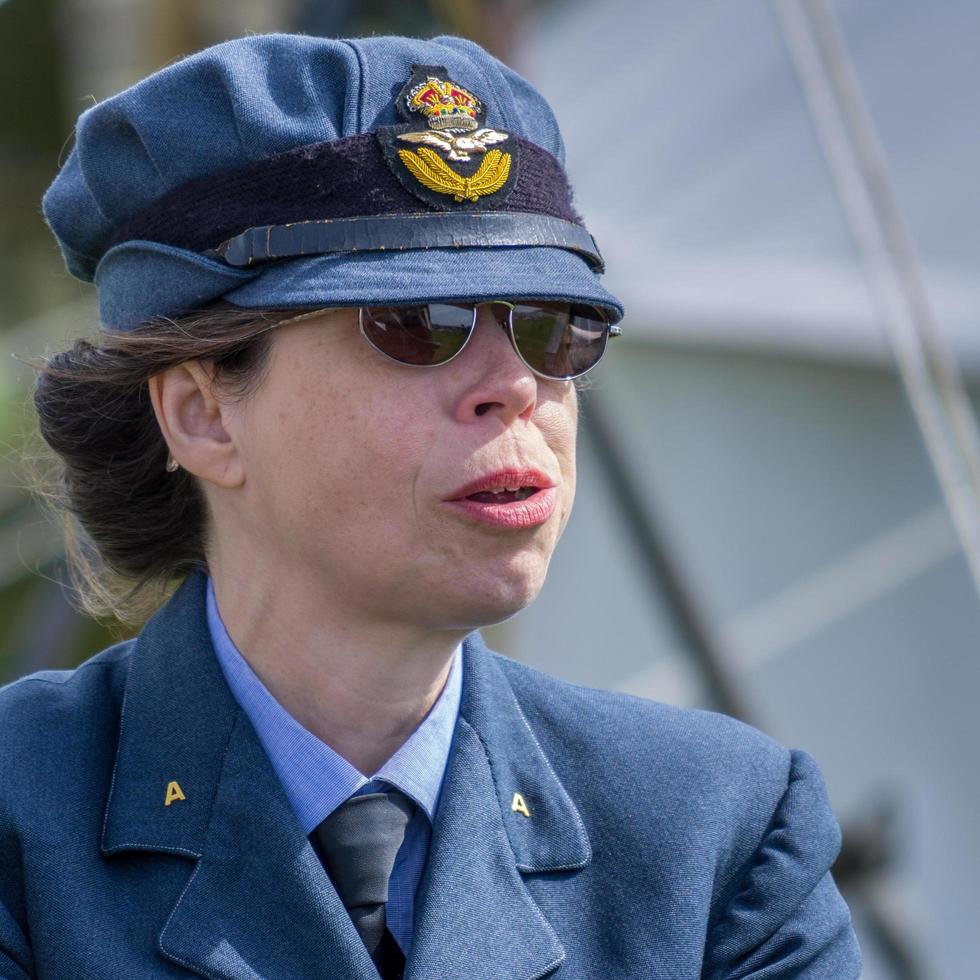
pixel 556 340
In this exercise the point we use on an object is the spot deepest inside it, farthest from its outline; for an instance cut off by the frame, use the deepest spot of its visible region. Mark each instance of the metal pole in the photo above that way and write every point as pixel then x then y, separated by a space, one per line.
pixel 929 372
pixel 636 510
pixel 859 170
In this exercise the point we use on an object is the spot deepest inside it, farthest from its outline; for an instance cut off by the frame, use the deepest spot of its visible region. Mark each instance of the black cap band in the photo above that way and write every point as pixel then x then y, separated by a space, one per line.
pixel 487 229
pixel 344 179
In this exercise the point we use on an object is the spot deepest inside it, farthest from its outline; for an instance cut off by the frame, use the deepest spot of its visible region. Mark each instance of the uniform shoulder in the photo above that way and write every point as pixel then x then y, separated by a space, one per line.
pixel 646 738
pixel 72 680
pixel 725 788
pixel 44 711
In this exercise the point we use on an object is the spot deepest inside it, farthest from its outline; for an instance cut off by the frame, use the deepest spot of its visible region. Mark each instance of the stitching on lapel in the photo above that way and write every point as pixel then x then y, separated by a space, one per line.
pixel 548 926
pixel 163 849
pixel 172 956
pixel 583 833
pixel 115 764
pixel 197 867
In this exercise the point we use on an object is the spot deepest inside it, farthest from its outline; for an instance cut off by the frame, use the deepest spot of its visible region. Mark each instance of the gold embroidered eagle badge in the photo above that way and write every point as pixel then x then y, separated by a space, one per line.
pixel 453 163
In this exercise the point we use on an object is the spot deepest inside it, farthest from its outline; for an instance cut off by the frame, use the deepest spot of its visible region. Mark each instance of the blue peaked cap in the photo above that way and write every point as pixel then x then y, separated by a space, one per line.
pixel 287 118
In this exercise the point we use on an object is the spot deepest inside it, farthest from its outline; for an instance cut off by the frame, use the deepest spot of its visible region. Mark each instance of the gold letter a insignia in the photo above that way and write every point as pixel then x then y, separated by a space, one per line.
pixel 174 792
pixel 519 806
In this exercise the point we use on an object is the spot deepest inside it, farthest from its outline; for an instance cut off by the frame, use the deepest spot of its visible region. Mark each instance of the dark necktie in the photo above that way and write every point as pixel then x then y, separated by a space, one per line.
pixel 357 844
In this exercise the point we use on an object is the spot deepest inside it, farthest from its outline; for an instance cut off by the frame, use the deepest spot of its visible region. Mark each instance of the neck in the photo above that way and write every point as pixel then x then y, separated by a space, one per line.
pixel 361 687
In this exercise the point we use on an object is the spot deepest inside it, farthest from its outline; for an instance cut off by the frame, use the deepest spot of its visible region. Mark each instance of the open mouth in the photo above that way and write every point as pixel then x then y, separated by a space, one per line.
pixel 502 496
pixel 506 486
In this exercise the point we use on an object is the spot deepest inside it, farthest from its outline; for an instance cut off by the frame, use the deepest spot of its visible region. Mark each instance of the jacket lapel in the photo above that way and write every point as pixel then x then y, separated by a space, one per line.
pixel 502 814
pixel 258 903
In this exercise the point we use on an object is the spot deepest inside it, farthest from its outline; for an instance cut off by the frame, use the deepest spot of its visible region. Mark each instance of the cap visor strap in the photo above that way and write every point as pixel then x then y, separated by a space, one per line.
pixel 489 229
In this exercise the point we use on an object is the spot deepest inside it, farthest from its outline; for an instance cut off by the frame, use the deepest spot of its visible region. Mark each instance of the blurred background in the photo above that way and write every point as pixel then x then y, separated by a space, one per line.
pixel 777 512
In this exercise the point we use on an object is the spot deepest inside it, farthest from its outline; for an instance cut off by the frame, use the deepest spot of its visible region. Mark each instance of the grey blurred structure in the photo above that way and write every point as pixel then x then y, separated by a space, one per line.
pixel 760 412
pixel 759 525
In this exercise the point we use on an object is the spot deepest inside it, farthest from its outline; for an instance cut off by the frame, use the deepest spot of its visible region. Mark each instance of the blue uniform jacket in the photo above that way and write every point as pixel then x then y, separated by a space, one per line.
pixel 143 833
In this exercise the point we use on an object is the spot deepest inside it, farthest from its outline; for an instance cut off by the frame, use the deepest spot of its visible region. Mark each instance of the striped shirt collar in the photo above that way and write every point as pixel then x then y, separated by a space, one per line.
pixel 316 779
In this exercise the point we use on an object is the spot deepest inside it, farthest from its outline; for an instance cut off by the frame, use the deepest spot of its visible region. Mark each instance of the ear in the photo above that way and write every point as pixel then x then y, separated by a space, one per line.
pixel 197 426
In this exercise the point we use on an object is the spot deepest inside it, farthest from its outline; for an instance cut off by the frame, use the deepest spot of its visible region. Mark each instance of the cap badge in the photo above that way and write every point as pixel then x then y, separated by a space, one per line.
pixel 445 121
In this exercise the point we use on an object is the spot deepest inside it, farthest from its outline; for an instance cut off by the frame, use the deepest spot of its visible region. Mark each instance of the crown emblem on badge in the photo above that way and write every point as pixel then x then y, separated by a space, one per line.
pixel 446 123
pixel 444 104
pixel 452 114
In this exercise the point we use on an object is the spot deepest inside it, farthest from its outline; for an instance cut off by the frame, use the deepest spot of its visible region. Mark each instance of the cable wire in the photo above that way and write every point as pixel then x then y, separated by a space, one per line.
pixel 858 166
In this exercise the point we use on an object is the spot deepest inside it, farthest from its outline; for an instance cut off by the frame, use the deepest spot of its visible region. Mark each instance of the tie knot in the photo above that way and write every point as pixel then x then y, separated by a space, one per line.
pixel 358 843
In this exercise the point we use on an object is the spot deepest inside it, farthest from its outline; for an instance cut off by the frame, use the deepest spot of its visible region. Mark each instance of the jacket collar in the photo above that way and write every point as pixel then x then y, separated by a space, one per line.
pixel 553 837
pixel 177 718
pixel 255 868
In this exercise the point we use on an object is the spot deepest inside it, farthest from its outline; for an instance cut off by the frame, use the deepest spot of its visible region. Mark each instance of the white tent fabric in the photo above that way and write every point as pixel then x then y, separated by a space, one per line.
pixel 698 169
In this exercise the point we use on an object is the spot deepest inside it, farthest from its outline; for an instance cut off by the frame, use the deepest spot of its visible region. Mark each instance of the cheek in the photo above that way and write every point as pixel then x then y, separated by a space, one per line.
pixel 560 430
pixel 359 461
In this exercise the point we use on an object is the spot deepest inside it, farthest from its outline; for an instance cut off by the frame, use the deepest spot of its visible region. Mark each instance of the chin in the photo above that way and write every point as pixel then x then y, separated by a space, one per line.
pixel 486 600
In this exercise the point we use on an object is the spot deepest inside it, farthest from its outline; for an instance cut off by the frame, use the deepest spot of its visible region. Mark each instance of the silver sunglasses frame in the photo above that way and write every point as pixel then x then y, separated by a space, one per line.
pixel 508 325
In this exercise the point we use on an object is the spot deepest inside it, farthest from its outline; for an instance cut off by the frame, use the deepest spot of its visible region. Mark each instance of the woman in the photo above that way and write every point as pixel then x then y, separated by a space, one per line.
pixel 303 408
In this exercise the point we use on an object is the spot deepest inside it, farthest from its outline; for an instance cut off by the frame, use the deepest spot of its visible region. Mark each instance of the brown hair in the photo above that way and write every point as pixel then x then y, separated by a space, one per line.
pixel 132 530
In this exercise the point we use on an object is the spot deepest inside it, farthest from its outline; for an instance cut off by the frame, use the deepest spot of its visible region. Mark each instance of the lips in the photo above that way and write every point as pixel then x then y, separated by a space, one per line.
pixel 503 486
pixel 508 500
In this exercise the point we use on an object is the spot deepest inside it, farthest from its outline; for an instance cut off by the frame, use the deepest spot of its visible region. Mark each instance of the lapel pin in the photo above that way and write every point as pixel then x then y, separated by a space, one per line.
pixel 519 806
pixel 174 792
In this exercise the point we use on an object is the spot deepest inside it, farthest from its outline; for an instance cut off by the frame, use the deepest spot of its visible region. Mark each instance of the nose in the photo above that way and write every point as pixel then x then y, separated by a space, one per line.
pixel 495 379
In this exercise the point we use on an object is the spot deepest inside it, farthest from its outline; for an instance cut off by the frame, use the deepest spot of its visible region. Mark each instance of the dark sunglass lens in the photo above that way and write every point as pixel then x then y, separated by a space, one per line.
pixel 560 340
pixel 421 335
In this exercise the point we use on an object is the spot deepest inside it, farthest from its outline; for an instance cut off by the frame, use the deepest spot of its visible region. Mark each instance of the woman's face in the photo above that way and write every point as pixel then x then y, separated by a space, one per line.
pixel 351 461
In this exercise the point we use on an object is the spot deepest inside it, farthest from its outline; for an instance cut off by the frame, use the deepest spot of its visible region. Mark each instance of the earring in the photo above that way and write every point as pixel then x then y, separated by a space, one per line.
pixel 172 464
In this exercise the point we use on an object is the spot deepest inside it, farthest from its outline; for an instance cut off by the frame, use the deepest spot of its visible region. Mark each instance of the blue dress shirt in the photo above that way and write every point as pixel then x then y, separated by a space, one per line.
pixel 317 780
